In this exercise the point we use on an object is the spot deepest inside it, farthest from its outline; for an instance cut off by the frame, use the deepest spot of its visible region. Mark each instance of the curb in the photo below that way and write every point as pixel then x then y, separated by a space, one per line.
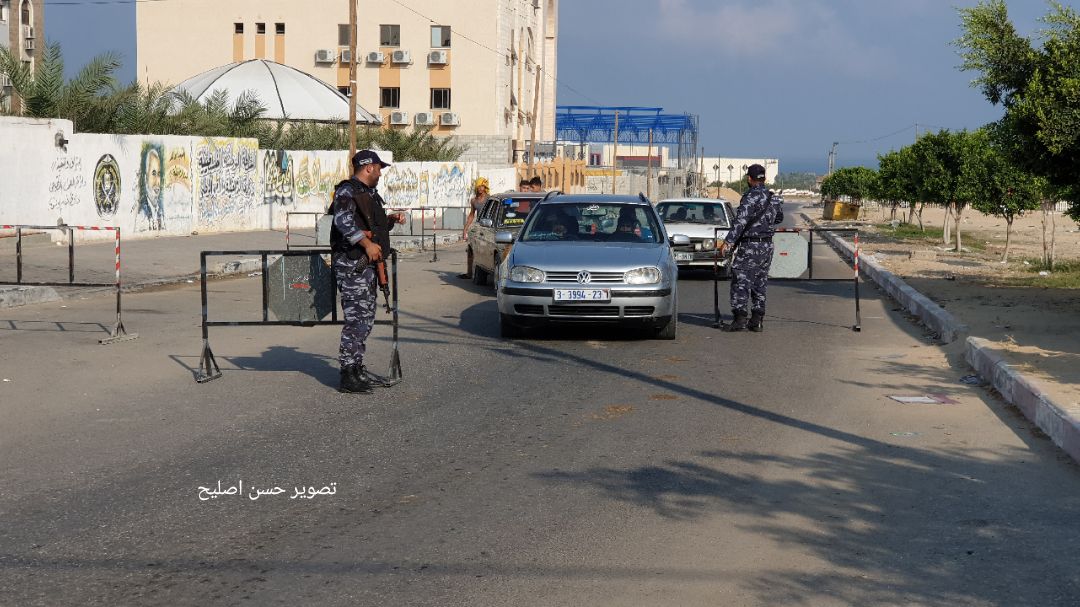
pixel 11 297
pixel 933 316
pixel 1060 424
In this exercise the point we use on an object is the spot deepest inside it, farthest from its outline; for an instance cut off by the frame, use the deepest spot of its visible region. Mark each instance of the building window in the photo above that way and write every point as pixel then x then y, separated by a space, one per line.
pixel 440 99
pixel 390 97
pixel 389 35
pixel 279 29
pixel 343 34
pixel 344 90
pixel 260 28
pixel 238 28
pixel 440 36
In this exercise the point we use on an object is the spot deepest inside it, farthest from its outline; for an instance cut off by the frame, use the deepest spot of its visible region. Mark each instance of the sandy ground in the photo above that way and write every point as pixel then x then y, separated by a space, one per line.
pixel 1036 328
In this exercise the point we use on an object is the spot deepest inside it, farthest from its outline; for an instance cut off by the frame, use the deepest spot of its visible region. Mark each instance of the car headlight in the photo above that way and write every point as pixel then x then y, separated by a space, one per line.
pixel 526 274
pixel 708 244
pixel 642 276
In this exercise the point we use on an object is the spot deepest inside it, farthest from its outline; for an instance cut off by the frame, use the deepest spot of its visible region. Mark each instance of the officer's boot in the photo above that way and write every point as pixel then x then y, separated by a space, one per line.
pixel 756 323
pixel 373 379
pixel 352 382
pixel 738 324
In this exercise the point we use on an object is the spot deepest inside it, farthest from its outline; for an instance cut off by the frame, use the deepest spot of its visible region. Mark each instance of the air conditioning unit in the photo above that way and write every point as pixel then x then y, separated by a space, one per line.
pixel 450 119
pixel 325 56
pixel 425 119
pixel 438 58
pixel 29 44
pixel 376 57
pixel 399 117
pixel 346 57
pixel 401 57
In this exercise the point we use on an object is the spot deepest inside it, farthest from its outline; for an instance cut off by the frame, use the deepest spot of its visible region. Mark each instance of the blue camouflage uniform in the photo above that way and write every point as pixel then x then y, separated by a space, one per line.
pixel 356 208
pixel 752 233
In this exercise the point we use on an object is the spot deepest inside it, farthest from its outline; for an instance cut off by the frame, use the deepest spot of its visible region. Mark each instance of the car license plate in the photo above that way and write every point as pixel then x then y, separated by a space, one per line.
pixel 684 257
pixel 582 294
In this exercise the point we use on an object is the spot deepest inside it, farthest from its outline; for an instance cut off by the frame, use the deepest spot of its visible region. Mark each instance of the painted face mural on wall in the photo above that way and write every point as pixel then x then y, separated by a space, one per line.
pixel 106 186
pixel 150 205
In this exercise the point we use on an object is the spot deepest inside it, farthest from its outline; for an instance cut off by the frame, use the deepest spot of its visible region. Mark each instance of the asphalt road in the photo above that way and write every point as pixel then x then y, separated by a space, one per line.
pixel 570 468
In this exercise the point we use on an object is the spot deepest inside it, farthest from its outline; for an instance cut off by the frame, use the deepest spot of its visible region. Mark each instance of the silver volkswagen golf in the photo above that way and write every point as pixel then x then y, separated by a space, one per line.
pixel 590 259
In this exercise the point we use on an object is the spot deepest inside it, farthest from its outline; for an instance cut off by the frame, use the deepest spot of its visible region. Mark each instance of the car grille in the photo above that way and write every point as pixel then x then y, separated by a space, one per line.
pixel 527 309
pixel 638 310
pixel 583 310
pixel 595 277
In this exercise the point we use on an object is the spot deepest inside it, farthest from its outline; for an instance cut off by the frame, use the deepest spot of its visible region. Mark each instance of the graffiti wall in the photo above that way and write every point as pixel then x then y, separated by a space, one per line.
pixel 168 186
pixel 428 184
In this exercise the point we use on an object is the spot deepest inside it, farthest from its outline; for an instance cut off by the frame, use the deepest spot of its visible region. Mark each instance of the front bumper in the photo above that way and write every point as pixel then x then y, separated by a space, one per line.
pixel 534 305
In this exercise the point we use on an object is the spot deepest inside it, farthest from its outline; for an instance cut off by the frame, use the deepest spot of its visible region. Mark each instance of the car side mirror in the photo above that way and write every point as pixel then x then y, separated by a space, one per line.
pixel 680 240
pixel 487 223
pixel 504 237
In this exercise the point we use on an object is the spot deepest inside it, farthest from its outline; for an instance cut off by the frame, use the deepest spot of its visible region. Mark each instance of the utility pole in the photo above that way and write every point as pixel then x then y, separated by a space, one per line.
pixel 701 170
pixel 352 79
pixel 832 157
pixel 615 152
pixel 648 174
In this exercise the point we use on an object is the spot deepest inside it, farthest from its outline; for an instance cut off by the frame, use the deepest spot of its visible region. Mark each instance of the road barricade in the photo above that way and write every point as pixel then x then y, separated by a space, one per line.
pixel 118 332
pixel 300 288
pixel 793 260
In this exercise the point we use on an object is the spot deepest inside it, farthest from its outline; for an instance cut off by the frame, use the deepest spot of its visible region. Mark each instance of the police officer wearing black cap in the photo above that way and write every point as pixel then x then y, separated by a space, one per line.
pixel 359 238
pixel 751 237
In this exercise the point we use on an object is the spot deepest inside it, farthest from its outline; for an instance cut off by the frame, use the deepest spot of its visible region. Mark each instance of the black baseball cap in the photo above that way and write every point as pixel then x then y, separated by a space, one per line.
pixel 756 172
pixel 366 157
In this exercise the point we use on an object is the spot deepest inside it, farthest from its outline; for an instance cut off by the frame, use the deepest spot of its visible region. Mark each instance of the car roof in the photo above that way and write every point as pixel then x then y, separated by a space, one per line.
pixel 695 200
pixel 597 199
pixel 522 195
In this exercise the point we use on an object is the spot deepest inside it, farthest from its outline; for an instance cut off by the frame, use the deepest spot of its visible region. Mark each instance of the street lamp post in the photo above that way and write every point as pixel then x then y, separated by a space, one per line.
pixel 730 168
pixel 716 167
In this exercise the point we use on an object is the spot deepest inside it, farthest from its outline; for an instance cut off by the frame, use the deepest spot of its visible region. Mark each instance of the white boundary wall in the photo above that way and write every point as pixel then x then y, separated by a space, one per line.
pixel 168 186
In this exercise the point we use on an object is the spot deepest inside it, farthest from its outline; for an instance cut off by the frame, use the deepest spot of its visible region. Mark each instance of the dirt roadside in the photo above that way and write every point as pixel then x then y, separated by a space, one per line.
pixel 1035 328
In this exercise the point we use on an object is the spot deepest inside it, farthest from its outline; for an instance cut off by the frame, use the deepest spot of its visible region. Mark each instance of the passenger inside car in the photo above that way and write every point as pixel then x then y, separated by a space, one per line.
pixel 678 215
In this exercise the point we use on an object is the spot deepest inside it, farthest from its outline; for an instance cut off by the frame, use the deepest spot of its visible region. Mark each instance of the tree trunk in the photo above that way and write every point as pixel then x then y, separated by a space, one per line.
pixel 945 233
pixel 1048 242
pixel 1008 236
pixel 911 212
pixel 959 211
pixel 918 216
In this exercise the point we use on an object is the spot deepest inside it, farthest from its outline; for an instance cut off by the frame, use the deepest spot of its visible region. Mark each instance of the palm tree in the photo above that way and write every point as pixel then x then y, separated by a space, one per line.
pixel 45 94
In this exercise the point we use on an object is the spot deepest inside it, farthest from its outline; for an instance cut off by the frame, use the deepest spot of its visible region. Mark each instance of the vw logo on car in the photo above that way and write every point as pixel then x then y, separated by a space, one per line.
pixel 584 278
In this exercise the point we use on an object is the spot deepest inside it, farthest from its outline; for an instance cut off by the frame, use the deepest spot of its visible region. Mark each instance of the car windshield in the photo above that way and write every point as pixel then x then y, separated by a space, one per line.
pixel 693 212
pixel 593 222
pixel 514 212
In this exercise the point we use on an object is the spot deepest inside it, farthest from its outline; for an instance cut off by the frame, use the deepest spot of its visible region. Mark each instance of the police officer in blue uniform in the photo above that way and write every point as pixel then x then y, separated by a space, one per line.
pixel 359 239
pixel 751 237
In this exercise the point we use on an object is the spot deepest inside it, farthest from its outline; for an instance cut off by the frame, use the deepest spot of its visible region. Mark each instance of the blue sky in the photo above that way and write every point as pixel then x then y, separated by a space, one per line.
pixel 776 78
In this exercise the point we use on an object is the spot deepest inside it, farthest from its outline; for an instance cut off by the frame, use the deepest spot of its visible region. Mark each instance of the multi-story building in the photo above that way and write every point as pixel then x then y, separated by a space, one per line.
pixel 22 31
pixel 467 68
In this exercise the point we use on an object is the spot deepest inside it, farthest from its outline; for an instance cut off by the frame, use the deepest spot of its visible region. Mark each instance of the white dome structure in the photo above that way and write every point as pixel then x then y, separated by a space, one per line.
pixel 286 92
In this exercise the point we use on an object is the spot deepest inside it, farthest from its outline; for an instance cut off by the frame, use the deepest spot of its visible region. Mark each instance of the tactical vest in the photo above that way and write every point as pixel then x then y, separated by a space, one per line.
pixel 377 223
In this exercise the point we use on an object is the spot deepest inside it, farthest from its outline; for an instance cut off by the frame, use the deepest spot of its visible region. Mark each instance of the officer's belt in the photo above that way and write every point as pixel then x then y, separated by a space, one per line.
pixel 756 239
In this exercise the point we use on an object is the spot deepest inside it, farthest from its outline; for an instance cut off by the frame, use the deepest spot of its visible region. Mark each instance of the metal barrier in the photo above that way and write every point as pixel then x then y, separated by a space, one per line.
pixel 118 332
pixel 310 285
pixel 288 229
pixel 857 327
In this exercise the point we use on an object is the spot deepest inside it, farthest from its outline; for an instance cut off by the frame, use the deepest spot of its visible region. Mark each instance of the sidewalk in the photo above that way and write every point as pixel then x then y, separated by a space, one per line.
pixel 146 262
